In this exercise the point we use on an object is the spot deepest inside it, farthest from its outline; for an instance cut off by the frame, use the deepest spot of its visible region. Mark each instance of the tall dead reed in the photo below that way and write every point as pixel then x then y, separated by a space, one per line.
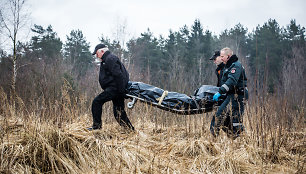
pixel 47 137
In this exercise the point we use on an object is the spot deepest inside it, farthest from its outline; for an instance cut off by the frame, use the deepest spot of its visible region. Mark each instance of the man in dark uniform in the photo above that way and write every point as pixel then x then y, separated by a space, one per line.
pixel 219 72
pixel 233 85
pixel 113 78
pixel 220 65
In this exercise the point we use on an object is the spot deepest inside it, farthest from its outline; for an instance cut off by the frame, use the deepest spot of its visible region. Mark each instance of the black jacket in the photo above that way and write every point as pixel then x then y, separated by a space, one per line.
pixel 113 74
pixel 219 72
pixel 233 77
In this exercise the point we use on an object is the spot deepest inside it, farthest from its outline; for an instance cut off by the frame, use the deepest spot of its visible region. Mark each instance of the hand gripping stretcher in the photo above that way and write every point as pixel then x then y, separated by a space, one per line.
pixel 200 102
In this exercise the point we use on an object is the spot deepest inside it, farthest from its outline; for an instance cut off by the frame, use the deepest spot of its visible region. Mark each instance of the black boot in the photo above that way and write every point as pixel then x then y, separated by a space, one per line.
pixel 95 126
pixel 215 127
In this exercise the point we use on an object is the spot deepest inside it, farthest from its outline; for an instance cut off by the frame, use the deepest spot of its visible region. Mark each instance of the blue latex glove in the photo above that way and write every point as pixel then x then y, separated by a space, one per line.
pixel 216 96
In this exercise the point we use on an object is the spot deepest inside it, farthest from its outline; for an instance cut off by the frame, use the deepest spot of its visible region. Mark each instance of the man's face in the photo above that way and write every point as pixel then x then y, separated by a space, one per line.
pixel 224 57
pixel 218 60
pixel 99 53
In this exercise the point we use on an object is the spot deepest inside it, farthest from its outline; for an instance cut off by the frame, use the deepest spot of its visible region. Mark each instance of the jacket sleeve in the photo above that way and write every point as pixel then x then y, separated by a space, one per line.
pixel 232 80
pixel 114 66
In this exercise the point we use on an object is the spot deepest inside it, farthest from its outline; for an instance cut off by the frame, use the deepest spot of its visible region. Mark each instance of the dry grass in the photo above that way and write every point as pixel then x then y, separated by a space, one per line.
pixel 163 142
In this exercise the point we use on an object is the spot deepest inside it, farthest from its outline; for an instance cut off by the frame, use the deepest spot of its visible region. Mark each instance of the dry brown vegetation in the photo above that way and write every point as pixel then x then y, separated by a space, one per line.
pixel 53 139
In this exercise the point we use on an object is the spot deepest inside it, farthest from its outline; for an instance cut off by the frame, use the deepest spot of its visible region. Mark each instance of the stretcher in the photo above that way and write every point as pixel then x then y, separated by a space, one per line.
pixel 200 102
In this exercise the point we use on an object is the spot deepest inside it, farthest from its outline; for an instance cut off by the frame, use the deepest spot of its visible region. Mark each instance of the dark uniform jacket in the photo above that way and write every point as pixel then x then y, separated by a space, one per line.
pixel 233 79
pixel 113 74
pixel 219 72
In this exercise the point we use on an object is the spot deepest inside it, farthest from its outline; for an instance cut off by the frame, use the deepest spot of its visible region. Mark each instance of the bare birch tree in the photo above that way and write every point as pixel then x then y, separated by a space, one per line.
pixel 120 34
pixel 13 17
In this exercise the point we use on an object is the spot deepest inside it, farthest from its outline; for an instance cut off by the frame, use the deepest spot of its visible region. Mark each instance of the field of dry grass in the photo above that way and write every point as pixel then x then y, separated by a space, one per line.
pixel 53 139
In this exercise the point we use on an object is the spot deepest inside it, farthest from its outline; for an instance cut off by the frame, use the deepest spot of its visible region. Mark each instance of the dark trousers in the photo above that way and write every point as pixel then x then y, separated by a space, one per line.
pixel 118 108
pixel 230 123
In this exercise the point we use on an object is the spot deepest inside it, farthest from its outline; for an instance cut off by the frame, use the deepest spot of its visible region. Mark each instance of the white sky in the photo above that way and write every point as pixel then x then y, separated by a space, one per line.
pixel 97 17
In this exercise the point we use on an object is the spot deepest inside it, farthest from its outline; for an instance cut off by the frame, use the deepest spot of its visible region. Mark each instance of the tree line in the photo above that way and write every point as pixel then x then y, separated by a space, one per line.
pixel 273 56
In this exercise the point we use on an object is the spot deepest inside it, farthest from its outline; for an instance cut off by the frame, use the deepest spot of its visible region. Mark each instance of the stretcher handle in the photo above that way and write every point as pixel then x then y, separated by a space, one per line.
pixel 130 105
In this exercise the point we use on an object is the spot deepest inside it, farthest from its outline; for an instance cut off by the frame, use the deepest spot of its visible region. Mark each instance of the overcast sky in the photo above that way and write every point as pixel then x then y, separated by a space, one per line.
pixel 97 17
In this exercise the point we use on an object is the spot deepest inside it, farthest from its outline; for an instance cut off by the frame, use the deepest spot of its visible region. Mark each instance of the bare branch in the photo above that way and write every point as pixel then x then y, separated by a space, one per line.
pixel 23 65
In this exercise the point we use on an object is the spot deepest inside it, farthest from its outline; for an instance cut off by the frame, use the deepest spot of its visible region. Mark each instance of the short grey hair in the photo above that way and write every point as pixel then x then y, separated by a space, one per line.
pixel 227 51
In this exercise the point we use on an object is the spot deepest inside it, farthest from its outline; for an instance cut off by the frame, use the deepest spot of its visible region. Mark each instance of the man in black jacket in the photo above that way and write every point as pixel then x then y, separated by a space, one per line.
pixel 218 62
pixel 113 79
pixel 233 84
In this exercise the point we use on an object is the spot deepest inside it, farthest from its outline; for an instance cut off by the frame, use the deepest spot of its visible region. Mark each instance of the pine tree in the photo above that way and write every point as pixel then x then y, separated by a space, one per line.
pixel 266 55
pixel 77 53
pixel 147 56
pixel 46 44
